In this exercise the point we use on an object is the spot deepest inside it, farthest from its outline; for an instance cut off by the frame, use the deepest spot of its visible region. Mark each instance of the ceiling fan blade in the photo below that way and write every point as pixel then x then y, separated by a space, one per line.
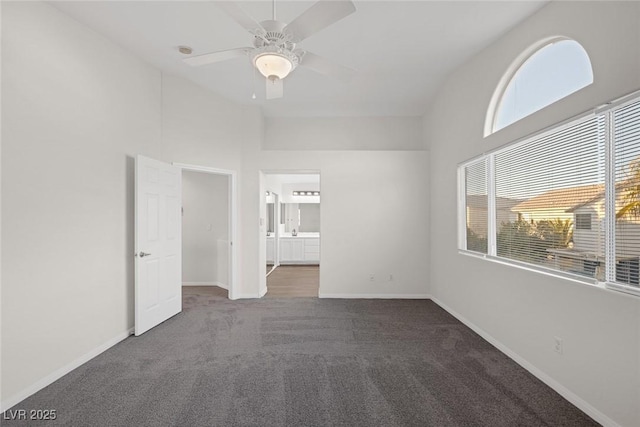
pixel 326 67
pixel 275 88
pixel 320 15
pixel 237 14
pixel 223 55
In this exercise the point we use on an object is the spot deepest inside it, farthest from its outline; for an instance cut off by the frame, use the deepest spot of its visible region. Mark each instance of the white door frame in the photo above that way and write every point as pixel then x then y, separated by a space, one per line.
pixel 233 232
pixel 276 232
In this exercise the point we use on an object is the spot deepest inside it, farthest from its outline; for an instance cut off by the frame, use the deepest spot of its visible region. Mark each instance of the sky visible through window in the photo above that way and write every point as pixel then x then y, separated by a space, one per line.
pixel 550 74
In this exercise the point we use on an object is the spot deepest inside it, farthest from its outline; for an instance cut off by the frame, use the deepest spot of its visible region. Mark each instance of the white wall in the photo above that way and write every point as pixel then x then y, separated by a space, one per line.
pixel 374 209
pixel 76 108
pixel 374 216
pixel 343 133
pixel 522 310
pixel 253 283
pixel 1 407
pixel 205 228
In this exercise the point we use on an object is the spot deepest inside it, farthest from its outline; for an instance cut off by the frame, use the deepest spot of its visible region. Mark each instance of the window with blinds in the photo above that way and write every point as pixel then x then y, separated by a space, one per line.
pixel 476 206
pixel 546 182
pixel 626 140
pixel 567 200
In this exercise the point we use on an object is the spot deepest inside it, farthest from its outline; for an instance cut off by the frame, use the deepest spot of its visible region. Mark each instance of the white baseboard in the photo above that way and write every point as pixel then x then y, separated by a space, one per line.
pixel 555 385
pixel 218 284
pixel 310 262
pixel 248 296
pixel 375 296
pixel 56 375
pixel 255 295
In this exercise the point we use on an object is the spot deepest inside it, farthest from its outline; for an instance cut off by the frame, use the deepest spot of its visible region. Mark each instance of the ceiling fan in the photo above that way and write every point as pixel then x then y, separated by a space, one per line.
pixel 274 53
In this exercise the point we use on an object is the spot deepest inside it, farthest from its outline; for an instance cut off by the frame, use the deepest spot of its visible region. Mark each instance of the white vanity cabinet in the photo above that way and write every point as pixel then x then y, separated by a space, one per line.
pixel 312 250
pixel 299 250
pixel 291 249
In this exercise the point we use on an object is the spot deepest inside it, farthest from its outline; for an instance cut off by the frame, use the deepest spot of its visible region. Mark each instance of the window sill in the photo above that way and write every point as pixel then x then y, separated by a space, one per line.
pixel 615 287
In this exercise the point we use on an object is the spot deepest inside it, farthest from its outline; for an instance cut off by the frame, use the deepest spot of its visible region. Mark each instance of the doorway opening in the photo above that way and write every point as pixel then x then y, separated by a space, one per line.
pixel 273 232
pixel 208 233
pixel 292 234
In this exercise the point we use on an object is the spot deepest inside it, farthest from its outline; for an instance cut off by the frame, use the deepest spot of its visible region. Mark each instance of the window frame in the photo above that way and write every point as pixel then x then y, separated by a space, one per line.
pixel 512 70
pixel 606 111
pixel 463 213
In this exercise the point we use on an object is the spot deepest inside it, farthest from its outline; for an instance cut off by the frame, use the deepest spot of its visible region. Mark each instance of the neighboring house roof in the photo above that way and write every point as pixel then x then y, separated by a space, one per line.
pixel 480 201
pixel 565 199
pixel 570 199
pixel 508 204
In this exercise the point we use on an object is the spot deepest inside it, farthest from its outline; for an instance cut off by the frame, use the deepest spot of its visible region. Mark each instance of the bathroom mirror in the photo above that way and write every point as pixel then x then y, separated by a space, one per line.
pixel 303 217
pixel 270 217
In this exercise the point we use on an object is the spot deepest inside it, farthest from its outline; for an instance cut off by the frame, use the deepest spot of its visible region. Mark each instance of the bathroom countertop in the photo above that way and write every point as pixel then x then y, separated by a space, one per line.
pixel 301 234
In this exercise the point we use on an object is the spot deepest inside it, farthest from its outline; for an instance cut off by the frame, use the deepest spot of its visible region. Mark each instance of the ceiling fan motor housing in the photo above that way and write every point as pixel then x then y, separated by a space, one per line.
pixel 273 34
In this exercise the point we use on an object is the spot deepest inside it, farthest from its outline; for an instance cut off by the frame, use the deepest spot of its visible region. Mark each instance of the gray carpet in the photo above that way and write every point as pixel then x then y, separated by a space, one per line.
pixel 304 362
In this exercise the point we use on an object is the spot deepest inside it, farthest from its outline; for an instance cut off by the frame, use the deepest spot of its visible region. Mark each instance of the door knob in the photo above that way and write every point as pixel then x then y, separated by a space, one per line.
pixel 144 254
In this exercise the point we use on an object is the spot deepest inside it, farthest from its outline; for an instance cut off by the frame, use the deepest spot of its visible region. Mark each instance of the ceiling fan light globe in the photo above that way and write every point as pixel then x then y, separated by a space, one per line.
pixel 273 64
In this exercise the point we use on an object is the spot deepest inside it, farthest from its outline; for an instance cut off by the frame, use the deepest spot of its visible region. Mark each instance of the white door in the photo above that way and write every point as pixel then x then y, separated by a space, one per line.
pixel 158 247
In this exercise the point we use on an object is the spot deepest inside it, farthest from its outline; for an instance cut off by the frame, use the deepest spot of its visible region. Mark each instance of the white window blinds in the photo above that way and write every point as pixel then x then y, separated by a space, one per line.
pixel 567 200
pixel 476 206
pixel 626 139
pixel 541 186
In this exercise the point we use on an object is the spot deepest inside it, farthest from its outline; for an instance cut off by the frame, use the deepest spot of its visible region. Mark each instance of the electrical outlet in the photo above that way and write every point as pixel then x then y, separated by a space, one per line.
pixel 390 279
pixel 372 277
pixel 558 345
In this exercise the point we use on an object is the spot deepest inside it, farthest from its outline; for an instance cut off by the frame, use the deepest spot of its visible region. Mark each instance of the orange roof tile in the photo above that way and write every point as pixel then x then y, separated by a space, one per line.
pixel 563 198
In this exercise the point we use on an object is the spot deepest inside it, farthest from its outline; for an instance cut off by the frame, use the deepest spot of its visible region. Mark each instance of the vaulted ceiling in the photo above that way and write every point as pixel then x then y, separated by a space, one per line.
pixel 402 51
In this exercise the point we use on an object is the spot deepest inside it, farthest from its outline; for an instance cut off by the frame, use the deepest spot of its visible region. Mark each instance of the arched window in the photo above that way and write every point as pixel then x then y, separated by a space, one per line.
pixel 545 73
